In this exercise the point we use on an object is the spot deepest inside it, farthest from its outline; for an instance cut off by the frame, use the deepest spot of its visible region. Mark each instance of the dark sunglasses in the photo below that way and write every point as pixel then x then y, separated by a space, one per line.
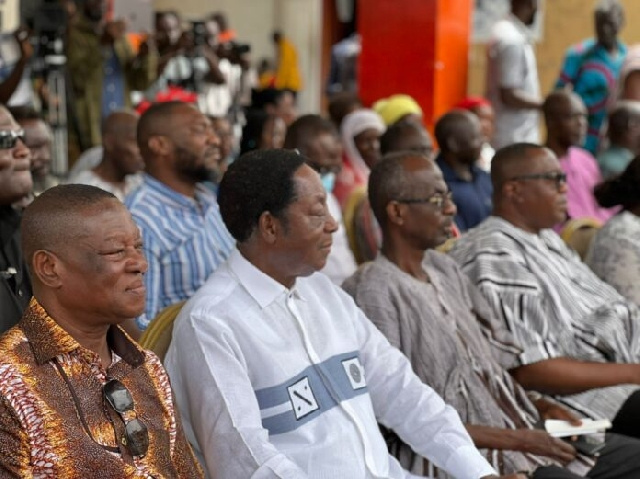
pixel 8 138
pixel 557 177
pixel 136 435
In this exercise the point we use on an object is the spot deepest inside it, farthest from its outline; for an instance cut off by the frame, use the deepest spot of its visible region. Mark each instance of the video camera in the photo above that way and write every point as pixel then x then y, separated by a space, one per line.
pixel 49 26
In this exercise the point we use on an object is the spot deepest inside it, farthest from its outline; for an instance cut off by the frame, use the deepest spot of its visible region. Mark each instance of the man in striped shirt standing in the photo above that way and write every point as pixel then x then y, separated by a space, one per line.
pixel 580 339
pixel 184 236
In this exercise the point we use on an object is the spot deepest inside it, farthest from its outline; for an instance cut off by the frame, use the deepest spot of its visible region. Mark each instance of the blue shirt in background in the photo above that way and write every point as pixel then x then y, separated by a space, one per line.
pixel 472 198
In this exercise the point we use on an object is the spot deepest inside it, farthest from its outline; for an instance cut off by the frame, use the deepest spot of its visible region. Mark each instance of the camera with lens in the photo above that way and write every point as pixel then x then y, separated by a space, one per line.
pixel 49 26
pixel 199 32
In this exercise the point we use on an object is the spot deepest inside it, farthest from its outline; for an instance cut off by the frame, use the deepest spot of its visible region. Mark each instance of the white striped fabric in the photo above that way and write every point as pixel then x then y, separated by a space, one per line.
pixel 553 304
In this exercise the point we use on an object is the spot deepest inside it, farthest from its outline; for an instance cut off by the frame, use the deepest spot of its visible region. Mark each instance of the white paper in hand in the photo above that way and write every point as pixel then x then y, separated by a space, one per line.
pixel 558 428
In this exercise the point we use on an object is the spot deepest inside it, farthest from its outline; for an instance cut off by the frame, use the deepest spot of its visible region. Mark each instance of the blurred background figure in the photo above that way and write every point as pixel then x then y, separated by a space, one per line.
pixel 397 108
pixel 340 105
pixel 262 131
pixel 360 132
pixel 484 111
pixel 615 251
pixel 591 69
pixel 288 75
pixel 119 170
pixel 624 138
pixel 37 137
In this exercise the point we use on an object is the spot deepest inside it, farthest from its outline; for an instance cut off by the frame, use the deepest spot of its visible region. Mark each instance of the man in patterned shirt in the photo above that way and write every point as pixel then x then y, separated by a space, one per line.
pixel 580 339
pixel 184 236
pixel 78 398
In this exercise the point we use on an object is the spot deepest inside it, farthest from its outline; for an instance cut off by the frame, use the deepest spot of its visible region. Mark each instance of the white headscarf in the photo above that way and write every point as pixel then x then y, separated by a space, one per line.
pixel 353 124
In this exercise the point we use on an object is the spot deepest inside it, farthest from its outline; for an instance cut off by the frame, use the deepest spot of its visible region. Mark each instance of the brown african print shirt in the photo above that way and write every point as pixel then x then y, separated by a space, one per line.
pixel 41 423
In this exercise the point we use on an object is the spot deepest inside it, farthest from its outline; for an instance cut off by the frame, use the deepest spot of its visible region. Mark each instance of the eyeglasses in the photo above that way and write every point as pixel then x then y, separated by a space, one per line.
pixel 557 177
pixel 437 199
pixel 136 434
pixel 8 138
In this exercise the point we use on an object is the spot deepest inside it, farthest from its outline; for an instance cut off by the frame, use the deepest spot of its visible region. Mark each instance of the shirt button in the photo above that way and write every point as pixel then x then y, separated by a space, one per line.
pixel 111 88
pixel 20 293
pixel 113 105
pixel 108 71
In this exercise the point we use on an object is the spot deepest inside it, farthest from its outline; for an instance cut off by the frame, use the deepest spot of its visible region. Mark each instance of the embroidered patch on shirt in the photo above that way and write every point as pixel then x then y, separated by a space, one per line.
pixel 355 372
pixel 302 398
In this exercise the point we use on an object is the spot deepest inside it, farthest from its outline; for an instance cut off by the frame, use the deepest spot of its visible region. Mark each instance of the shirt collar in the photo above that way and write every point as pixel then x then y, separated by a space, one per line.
pixel 520 26
pixel 262 287
pixel 49 340
pixel 545 236
pixel 203 196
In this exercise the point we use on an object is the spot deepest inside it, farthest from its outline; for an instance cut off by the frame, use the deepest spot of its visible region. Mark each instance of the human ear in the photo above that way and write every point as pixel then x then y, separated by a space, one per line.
pixel 395 213
pixel 160 145
pixel 268 226
pixel 46 267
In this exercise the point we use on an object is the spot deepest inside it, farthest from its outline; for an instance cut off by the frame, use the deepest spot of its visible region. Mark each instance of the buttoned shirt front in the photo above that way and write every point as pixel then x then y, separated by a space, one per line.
pixel 54 422
pixel 184 238
pixel 275 382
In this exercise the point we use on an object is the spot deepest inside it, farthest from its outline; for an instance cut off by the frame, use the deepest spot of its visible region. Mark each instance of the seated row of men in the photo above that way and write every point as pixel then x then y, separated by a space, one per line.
pixel 276 371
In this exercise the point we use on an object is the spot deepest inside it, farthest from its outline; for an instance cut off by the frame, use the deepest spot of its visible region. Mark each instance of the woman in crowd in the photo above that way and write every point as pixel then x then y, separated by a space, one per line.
pixel 361 131
pixel 615 251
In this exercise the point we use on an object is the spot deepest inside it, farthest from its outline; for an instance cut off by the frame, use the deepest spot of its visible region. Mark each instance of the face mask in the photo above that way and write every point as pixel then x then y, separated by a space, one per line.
pixel 328 181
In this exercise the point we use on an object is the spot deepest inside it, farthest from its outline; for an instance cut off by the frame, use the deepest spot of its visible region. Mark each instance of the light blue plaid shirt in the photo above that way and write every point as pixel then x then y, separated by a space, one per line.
pixel 185 240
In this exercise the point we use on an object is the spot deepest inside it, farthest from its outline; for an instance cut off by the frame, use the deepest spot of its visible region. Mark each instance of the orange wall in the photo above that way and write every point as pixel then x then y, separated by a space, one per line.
pixel 415 47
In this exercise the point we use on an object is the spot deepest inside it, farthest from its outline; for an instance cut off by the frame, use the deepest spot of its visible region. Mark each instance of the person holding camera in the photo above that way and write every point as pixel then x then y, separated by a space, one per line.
pixel 188 59
pixel 103 69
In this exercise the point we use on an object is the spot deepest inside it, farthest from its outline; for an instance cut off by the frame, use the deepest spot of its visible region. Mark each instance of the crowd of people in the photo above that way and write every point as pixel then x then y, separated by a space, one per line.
pixel 357 298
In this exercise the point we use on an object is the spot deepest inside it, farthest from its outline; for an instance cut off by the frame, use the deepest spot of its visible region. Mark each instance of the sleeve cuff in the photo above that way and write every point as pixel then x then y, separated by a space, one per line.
pixel 468 463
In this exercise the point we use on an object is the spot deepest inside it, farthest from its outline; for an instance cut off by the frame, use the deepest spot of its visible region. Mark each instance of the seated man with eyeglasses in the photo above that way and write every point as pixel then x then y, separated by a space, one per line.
pixel 579 338
pixel 15 185
pixel 425 305
pixel 78 398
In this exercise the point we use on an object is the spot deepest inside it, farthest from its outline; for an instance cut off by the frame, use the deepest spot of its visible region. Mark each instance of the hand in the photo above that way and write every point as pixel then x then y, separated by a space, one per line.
pixel 209 54
pixel 541 443
pixel 551 410
pixel 22 37
pixel 114 30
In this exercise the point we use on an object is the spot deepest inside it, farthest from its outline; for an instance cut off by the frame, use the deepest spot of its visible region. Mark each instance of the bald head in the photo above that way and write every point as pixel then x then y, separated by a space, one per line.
pixel 54 221
pixel 406 136
pixel 158 120
pixel 566 119
pixel 509 162
pixel 459 136
pixel 120 122
pixel 624 118
pixel 391 179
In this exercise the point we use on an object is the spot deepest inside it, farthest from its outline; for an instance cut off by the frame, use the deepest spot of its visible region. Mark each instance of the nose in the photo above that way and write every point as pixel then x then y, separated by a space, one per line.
pixel 213 138
pixel 20 150
pixel 137 262
pixel 562 186
pixel 449 208
pixel 331 226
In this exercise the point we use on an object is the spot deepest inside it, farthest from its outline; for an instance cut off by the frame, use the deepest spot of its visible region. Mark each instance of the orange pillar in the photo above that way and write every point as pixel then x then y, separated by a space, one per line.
pixel 416 47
